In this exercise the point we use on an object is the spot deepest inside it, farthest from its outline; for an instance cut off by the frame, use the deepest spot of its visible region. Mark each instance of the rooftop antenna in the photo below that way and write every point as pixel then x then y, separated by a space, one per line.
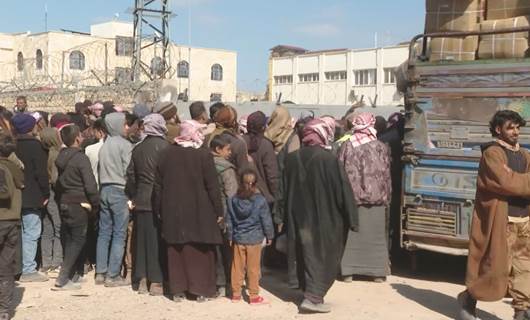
pixel 45 17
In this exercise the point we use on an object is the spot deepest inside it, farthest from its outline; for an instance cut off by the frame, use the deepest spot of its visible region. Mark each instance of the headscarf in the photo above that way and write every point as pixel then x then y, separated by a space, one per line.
pixel 363 129
pixel 225 120
pixel 155 125
pixel 319 132
pixel 51 141
pixel 226 117
pixel 280 128
pixel 256 128
pixel 394 119
pixel 191 134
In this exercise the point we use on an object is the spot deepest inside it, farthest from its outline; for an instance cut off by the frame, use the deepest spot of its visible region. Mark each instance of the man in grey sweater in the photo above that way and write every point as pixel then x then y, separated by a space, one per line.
pixel 114 158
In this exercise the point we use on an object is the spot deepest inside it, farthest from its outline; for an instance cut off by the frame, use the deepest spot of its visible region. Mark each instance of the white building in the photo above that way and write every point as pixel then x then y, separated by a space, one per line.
pixel 335 77
pixel 69 59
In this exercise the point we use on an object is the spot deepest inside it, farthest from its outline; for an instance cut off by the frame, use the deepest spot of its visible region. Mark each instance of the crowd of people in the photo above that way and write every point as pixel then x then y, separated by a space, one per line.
pixel 190 209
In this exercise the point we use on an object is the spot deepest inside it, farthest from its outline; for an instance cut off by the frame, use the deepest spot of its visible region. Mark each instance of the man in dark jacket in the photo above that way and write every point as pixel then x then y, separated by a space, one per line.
pixel 9 223
pixel 78 195
pixel 34 195
pixel 139 188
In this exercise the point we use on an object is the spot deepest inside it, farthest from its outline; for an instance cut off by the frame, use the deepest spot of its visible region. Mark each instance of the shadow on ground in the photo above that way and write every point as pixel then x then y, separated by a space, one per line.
pixel 436 301
pixel 18 294
pixel 430 266
pixel 275 282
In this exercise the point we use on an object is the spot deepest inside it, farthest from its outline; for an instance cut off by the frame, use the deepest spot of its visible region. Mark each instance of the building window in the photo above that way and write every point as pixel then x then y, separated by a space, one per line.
pixel 216 97
pixel 20 61
pixel 336 75
pixel 183 69
pixel 390 76
pixel 217 72
pixel 77 60
pixel 157 66
pixel 123 75
pixel 286 79
pixel 308 77
pixel 365 77
pixel 38 59
pixel 124 46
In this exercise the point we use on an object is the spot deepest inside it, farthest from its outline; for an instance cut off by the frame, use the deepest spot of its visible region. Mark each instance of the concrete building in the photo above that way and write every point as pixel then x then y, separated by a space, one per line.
pixel 335 77
pixel 69 59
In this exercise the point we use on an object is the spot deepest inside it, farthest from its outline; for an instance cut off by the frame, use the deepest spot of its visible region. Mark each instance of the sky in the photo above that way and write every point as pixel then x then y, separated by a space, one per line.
pixel 249 27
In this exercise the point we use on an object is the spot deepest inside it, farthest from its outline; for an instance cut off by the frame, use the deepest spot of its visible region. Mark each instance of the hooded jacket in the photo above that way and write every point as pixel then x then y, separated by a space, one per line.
pixel 115 154
pixel 227 178
pixel 249 220
pixel 50 141
pixel 76 182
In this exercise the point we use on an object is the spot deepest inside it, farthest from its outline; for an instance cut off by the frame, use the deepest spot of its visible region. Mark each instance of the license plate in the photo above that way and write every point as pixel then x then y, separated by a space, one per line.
pixel 449 144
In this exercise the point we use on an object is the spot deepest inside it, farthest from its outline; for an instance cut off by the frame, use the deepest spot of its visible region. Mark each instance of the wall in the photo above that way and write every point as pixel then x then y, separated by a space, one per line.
pixel 112 29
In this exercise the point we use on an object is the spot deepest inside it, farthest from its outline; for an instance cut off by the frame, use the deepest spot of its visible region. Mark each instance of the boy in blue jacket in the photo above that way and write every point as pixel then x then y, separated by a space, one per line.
pixel 249 223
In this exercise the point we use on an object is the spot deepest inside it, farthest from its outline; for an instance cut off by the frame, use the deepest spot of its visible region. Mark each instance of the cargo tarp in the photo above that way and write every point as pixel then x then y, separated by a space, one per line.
pixel 452 15
pixel 502 46
pixel 503 9
pixel 453 49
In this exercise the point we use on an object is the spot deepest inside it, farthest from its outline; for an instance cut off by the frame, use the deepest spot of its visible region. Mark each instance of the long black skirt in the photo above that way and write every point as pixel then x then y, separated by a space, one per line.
pixel 146 248
pixel 366 251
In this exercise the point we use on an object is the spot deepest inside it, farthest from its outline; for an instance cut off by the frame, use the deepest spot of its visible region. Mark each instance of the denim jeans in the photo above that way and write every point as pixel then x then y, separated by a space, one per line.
pixel 113 221
pixel 31 229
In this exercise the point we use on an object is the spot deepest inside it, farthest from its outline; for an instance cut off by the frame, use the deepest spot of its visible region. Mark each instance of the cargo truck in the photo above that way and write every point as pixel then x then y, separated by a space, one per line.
pixel 448 105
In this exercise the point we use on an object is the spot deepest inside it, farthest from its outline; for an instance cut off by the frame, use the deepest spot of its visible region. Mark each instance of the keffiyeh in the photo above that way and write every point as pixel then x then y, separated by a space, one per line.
pixel 363 129
pixel 191 134
pixel 319 132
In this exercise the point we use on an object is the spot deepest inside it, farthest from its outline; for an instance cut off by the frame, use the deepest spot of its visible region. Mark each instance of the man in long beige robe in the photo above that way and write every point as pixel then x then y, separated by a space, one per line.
pixel 499 246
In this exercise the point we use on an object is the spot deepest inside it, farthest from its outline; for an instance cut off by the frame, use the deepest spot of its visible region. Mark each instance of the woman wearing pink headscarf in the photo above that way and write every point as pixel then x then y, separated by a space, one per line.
pixel 187 198
pixel 319 209
pixel 367 164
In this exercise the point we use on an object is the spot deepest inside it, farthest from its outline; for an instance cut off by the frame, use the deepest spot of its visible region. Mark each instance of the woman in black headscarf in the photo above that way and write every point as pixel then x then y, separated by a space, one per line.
pixel 261 150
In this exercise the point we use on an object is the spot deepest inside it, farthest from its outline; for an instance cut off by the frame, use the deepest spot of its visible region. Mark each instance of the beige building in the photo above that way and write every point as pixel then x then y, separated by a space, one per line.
pixel 68 59
pixel 335 77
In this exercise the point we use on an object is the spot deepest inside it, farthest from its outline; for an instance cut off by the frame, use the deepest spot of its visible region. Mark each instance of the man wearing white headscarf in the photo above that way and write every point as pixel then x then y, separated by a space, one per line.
pixel 147 269
pixel 187 197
